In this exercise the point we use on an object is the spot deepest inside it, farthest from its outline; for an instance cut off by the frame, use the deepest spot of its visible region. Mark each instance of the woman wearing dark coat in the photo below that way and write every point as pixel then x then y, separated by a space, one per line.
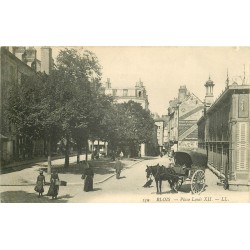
pixel 88 175
pixel 54 185
pixel 39 184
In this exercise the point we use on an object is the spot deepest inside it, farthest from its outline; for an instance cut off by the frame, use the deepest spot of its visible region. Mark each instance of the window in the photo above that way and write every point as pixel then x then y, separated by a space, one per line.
pixel 139 93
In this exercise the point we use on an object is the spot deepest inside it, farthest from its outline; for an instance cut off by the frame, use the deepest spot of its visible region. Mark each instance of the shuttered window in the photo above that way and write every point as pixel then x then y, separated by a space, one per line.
pixel 242 146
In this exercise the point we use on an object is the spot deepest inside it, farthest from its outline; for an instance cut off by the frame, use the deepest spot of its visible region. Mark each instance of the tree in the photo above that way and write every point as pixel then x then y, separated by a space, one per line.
pixel 22 109
pixel 128 124
pixel 80 77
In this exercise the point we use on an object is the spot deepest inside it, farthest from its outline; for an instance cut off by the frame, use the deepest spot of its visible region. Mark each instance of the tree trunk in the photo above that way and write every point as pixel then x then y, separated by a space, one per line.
pixel 66 163
pixel 45 148
pixel 87 150
pixel 22 148
pixel 132 148
pixel 49 155
pixel 17 147
pixel 78 152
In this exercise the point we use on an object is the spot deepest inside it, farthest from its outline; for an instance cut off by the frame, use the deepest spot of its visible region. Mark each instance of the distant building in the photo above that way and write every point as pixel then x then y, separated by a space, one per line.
pixel 162 125
pixel 137 94
pixel 160 133
pixel 184 113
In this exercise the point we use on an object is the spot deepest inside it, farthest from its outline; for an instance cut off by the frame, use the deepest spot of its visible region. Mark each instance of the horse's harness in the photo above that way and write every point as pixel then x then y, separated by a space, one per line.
pixel 151 172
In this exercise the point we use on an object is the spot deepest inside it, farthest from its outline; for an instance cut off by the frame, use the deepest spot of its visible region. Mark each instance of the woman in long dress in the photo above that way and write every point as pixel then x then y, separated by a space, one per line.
pixel 88 176
pixel 39 184
pixel 54 185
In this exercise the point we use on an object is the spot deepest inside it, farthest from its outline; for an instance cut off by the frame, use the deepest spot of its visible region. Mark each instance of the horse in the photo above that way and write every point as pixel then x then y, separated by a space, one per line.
pixel 161 173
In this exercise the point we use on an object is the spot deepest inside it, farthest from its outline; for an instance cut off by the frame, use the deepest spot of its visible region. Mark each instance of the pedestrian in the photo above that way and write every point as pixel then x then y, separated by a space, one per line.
pixel 113 156
pixel 118 167
pixel 54 185
pixel 39 184
pixel 88 176
pixel 121 155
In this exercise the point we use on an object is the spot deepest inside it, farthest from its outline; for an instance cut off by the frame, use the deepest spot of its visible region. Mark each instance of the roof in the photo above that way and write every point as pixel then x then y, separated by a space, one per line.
pixel 229 90
pixel 13 57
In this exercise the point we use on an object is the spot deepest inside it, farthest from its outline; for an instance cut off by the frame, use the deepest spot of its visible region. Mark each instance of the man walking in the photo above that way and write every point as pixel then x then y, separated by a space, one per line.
pixel 118 167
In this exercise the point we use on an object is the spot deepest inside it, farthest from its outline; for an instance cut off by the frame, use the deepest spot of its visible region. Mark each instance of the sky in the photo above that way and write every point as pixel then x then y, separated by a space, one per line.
pixel 163 69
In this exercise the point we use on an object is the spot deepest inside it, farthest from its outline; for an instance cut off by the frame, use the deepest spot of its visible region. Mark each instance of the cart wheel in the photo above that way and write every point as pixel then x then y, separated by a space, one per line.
pixel 177 185
pixel 198 182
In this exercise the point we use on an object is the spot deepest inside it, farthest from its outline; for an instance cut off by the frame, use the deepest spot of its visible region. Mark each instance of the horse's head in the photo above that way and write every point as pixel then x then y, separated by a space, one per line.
pixel 152 170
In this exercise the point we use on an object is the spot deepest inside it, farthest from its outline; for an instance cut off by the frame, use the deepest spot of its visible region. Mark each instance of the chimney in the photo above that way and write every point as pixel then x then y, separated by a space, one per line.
pixel 46 60
pixel 30 55
pixel 19 52
pixel 182 93
pixel 108 84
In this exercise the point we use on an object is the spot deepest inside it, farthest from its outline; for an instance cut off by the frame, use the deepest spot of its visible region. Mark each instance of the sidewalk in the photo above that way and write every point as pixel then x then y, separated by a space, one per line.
pixel 103 169
pixel 27 163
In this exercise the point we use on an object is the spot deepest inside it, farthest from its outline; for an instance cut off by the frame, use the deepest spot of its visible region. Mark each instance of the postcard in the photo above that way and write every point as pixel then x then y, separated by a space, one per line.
pixel 139 124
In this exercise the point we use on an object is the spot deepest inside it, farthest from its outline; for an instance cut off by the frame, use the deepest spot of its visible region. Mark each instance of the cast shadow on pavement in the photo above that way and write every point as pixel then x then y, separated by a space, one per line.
pixel 185 188
pixel 103 167
pixel 7 170
pixel 122 177
pixel 25 197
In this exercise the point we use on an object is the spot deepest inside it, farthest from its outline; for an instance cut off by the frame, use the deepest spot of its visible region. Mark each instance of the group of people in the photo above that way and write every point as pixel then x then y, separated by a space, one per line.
pixel 87 176
pixel 54 184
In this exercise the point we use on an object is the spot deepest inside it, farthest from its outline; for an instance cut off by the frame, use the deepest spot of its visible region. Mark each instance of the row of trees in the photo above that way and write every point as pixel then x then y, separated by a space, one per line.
pixel 70 105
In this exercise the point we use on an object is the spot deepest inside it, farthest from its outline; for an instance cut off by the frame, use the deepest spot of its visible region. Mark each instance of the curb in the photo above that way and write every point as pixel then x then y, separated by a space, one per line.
pixel 72 184
pixel 99 182
pixel 215 171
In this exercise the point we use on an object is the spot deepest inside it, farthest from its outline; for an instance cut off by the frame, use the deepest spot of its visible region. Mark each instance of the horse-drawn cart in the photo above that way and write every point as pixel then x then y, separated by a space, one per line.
pixel 188 166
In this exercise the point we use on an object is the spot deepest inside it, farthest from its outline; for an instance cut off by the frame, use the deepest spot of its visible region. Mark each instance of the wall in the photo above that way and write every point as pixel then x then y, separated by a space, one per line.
pixel 190 111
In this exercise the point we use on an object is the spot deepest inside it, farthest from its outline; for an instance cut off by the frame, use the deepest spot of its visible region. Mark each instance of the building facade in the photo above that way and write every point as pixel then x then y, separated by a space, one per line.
pixel 15 64
pixel 137 94
pixel 160 133
pixel 184 112
pixel 224 135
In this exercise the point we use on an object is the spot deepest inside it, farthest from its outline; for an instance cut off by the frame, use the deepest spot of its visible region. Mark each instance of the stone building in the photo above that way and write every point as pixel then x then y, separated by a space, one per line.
pixel 15 63
pixel 223 134
pixel 184 113
pixel 160 133
pixel 162 125
pixel 137 94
